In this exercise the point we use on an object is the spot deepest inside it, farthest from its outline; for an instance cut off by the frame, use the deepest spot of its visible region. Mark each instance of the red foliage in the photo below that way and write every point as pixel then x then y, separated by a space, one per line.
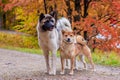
pixel 107 24
pixel 106 21
pixel 15 3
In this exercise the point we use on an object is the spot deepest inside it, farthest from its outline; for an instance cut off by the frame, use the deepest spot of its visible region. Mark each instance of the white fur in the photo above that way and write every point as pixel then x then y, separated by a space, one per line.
pixel 50 41
pixel 63 24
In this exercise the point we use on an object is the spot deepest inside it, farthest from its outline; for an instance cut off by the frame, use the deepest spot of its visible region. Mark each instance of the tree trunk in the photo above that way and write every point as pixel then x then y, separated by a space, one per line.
pixel 45 6
pixel 78 9
pixel 86 5
pixel 0 19
pixel 4 20
pixel 69 10
pixel 85 35
pixel 0 22
pixel 94 42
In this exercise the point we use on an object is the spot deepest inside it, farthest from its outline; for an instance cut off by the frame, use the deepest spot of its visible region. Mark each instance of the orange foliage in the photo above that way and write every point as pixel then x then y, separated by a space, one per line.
pixel 103 19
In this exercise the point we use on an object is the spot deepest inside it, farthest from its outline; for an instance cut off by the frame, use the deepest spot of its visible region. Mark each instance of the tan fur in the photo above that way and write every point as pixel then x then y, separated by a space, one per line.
pixel 85 50
pixel 72 49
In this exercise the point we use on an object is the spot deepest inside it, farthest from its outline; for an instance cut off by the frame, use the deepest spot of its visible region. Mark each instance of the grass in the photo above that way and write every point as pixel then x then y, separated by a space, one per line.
pixel 109 58
pixel 27 50
pixel 18 40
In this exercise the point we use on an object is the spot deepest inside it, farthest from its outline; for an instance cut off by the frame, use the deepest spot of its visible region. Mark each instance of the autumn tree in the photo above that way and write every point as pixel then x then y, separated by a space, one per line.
pixel 97 20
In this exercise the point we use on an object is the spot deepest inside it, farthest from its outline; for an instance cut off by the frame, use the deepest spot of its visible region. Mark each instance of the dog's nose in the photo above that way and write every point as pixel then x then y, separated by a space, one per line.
pixel 68 40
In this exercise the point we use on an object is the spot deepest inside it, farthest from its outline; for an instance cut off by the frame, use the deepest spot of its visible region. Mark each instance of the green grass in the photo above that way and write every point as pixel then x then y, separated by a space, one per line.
pixel 17 40
pixel 109 58
pixel 27 50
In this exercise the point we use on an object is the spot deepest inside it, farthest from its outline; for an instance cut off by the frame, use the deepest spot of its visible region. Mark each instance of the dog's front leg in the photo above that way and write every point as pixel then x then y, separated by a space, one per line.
pixel 72 66
pixel 62 65
pixel 76 64
pixel 46 55
pixel 53 65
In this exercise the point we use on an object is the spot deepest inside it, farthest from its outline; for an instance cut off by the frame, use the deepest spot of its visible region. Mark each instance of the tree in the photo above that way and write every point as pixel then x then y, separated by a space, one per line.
pixel 90 17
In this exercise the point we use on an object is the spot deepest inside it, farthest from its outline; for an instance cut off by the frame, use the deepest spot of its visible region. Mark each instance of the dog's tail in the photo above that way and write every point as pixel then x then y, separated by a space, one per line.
pixel 63 24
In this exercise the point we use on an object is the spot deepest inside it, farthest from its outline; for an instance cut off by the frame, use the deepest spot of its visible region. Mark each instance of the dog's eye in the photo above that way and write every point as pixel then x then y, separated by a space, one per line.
pixel 71 35
pixel 65 35
pixel 51 20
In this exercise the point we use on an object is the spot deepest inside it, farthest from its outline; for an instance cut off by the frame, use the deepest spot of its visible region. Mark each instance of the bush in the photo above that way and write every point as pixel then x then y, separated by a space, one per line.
pixel 25 22
pixel 17 40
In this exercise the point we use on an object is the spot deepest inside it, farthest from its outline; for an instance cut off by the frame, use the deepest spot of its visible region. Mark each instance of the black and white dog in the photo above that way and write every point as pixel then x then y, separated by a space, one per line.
pixel 49 37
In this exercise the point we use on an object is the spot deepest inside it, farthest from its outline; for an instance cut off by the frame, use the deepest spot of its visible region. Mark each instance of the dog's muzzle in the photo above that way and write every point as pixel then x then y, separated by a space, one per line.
pixel 68 40
pixel 48 26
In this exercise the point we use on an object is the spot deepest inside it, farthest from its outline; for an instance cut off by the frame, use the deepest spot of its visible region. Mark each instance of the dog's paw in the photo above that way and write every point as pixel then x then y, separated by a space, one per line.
pixel 71 73
pixel 62 72
pixel 52 73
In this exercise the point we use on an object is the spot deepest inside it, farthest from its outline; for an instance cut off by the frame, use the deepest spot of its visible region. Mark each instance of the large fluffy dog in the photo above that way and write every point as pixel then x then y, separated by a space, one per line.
pixel 49 37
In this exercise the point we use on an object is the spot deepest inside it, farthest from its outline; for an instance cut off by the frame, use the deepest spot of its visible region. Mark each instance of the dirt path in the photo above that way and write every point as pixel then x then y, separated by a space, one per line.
pixel 16 65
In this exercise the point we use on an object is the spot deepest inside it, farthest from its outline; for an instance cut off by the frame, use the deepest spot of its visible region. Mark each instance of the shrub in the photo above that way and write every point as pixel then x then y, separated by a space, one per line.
pixel 17 40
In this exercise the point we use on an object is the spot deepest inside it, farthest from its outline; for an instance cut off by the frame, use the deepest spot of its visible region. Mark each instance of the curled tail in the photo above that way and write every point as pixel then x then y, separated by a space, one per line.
pixel 63 24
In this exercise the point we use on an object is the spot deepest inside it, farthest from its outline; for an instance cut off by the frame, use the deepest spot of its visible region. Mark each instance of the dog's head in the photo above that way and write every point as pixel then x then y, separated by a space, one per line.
pixel 47 21
pixel 68 36
pixel 81 40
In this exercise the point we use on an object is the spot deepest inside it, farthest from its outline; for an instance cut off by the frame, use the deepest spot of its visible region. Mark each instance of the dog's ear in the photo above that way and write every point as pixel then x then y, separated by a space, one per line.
pixel 63 31
pixel 53 14
pixel 41 16
pixel 74 32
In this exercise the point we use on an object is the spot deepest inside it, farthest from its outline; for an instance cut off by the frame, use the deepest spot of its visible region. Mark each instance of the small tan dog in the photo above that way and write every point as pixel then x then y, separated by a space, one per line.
pixel 70 49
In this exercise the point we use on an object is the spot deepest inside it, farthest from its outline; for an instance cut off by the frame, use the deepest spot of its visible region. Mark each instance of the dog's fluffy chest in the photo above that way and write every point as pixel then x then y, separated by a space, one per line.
pixel 49 39
pixel 47 36
pixel 67 50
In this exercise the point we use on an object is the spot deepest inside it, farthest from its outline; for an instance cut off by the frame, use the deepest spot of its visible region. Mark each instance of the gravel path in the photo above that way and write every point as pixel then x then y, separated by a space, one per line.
pixel 16 65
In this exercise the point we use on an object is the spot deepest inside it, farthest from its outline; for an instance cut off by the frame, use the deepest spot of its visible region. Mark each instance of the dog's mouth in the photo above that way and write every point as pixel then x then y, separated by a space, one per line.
pixel 47 28
pixel 51 28
pixel 68 41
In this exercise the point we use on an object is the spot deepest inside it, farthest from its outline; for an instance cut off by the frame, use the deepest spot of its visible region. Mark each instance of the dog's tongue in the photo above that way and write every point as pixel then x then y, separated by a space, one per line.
pixel 51 28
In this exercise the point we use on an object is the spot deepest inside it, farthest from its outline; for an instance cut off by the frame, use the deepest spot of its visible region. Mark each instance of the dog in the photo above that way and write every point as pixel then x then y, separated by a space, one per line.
pixel 49 37
pixel 71 47
pixel 67 50
pixel 84 50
